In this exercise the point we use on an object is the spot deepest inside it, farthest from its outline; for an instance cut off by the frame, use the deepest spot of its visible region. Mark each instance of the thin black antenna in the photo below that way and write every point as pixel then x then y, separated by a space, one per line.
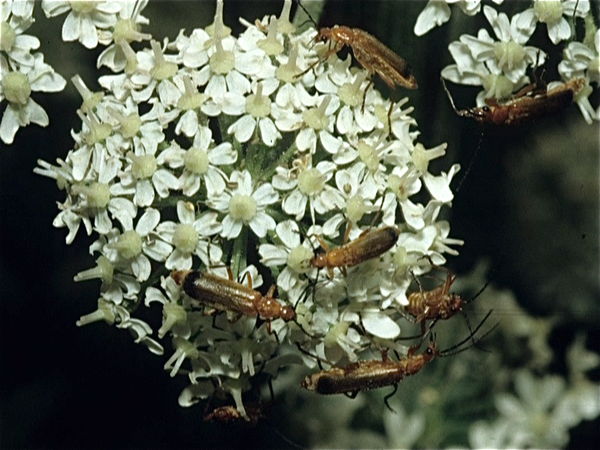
pixel 307 13
pixel 471 162
pixel 452 350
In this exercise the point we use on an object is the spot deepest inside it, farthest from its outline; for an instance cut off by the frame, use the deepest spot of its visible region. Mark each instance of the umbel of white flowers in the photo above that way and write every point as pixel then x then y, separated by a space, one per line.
pixel 297 156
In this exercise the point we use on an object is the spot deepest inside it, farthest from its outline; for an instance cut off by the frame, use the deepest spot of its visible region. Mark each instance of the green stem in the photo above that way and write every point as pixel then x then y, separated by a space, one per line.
pixel 238 255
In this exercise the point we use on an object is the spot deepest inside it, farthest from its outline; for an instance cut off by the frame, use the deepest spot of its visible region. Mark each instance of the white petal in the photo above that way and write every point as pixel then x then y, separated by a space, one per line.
pixel 158 251
pixel 265 195
pixel 268 131
pixel 271 255
pixel 559 31
pixel 186 212
pixel 231 228
pixel 295 204
pixel 144 193
pixel 261 224
pixel 148 222
pixel 289 233
pixel 380 325
pixel 434 14
pixel 243 128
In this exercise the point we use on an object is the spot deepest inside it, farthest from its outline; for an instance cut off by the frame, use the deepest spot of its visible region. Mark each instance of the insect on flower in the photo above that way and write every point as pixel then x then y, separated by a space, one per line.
pixel 438 303
pixel 229 414
pixel 373 374
pixel 527 104
pixel 370 244
pixel 372 54
pixel 229 295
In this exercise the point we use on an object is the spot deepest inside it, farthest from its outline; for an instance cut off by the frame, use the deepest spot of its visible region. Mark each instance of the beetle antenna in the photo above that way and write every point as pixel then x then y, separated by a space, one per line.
pixel 307 13
pixel 455 348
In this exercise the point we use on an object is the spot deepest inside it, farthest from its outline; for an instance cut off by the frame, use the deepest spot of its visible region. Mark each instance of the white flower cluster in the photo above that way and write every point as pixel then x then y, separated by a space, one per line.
pixel 22 72
pixel 202 150
pixel 500 64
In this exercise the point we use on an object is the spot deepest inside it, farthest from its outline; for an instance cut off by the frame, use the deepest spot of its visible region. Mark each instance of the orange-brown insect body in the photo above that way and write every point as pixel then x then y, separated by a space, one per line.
pixel 229 415
pixel 228 295
pixel 373 55
pixel 438 303
pixel 523 108
pixel 368 245
pixel 364 375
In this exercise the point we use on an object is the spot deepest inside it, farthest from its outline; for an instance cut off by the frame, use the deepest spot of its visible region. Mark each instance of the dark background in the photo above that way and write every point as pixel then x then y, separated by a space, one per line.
pixel 92 387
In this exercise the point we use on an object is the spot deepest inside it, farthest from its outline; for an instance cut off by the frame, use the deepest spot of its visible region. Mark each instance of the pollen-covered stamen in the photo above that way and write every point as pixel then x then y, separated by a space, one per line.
pixel 83 7
pixel 289 71
pixel 130 56
pixel 129 244
pixel 128 30
pixel 258 105
pixel 103 270
pixel 271 45
pixel 142 166
pixel 242 207
pixel 8 36
pixel 185 238
pixel 97 131
pixel 98 194
pixel 16 87
pixel 356 208
pixel 421 157
pixel 130 124
pixel 90 99
pixel 298 259
pixel 351 93
pixel 162 69
pixel 183 349
pixel 369 155
pixel 497 86
pixel 583 93
pixel 548 11
pixel 400 185
pixel 104 312
pixel 174 314
pixel 218 29
pixel 400 261
pixel 311 182
pixel 221 61
pixel 337 331
pixel 509 53
pixel 283 24
pixel 316 118
pixel 196 160
pixel 191 98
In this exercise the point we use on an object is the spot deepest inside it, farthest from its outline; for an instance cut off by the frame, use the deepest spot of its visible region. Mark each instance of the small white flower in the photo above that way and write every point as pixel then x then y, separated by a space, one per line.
pixel 469 71
pixel 126 29
pixel 258 109
pixel 309 186
pixel 554 13
pixel 292 254
pixel 174 308
pixel 437 12
pixel 509 55
pixel 189 237
pixel 581 61
pixel 200 163
pixel 143 175
pixel 16 87
pixel 16 17
pixel 534 419
pixel 132 247
pixel 84 19
pixel 245 205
